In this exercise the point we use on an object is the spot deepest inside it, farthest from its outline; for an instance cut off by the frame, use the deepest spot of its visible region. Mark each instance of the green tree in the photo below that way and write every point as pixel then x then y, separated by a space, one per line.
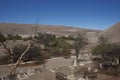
pixel 103 47
pixel 14 37
pixel 102 50
pixel 69 37
pixel 17 37
pixel 60 48
pixel 10 37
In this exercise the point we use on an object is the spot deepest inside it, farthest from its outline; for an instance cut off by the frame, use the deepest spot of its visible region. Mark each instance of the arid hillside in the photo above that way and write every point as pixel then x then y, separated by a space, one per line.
pixel 29 29
pixel 113 33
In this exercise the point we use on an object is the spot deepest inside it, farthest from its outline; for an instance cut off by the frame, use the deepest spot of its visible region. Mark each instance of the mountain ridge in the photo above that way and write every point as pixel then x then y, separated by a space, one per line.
pixel 28 28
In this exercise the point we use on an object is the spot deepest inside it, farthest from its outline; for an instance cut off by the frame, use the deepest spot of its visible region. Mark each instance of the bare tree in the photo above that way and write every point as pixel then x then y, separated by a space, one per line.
pixel 28 46
pixel 102 40
pixel 80 42
pixel 46 40
pixel 20 58
pixel 4 42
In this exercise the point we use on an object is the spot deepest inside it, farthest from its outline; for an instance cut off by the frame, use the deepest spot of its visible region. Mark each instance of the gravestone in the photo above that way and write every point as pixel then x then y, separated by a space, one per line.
pixel 22 76
pixel 30 72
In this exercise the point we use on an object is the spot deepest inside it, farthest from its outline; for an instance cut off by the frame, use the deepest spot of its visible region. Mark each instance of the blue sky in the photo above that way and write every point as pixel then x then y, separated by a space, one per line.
pixel 91 14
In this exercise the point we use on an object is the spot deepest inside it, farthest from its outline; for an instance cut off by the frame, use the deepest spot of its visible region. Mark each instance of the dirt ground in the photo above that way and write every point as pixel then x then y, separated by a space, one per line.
pixel 107 77
pixel 51 64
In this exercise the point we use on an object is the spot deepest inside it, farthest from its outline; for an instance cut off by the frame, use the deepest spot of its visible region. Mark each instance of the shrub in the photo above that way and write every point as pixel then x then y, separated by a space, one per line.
pixel 33 54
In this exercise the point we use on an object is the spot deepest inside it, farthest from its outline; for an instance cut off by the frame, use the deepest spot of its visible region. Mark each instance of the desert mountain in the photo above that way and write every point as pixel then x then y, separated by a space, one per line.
pixel 28 29
pixel 113 33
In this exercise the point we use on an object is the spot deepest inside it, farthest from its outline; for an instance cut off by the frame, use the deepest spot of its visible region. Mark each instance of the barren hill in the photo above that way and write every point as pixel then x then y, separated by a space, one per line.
pixel 113 33
pixel 28 29
pixel 7 28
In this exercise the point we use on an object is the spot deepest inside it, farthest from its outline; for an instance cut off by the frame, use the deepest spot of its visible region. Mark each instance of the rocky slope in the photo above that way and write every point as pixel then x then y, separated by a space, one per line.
pixel 113 33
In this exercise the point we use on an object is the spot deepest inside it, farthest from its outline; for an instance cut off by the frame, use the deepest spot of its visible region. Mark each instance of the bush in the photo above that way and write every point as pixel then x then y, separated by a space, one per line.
pixel 33 54
pixel 14 37
pixel 17 51
pixel 2 37
pixel 55 52
pixel 101 50
pixel 60 48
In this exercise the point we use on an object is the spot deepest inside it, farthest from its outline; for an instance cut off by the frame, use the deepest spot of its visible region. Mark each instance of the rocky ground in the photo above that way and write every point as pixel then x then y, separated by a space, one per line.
pixel 47 71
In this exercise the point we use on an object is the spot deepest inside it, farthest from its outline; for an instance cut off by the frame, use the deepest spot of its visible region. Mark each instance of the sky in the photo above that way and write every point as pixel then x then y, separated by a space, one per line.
pixel 90 14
